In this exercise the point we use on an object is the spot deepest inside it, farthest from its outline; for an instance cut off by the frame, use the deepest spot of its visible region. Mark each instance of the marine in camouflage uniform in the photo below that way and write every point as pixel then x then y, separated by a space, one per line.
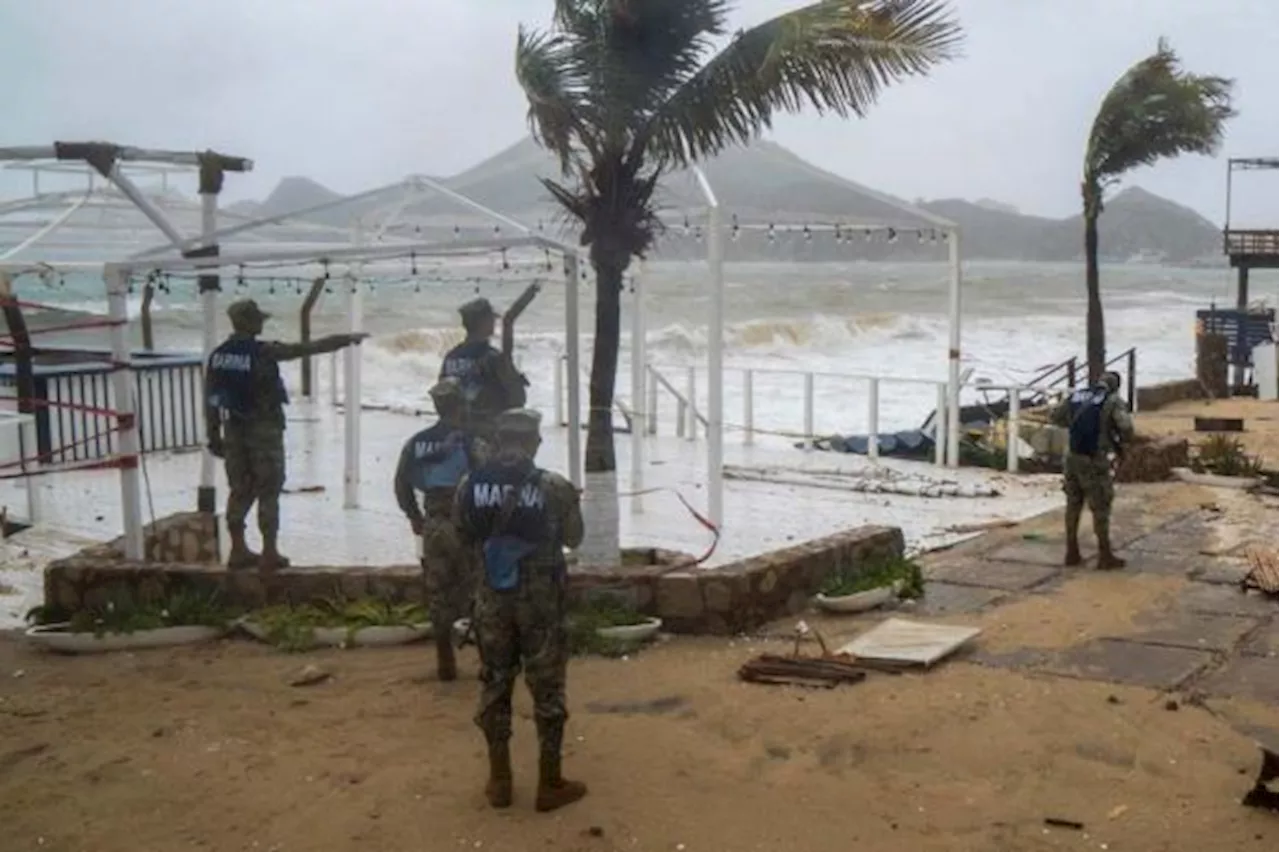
pixel 431 465
pixel 244 417
pixel 1099 424
pixel 522 517
pixel 490 381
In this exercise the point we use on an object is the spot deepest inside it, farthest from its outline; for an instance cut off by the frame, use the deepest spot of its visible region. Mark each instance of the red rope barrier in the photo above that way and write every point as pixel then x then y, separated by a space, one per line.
pixel 697 516
pixel 62 450
pixel 70 406
pixel 97 464
pixel 75 326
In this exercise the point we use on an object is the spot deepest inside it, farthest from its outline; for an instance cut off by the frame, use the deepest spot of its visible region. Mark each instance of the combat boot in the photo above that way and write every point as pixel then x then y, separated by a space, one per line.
pixel 1107 560
pixel 498 788
pixel 554 791
pixel 271 559
pixel 446 665
pixel 240 556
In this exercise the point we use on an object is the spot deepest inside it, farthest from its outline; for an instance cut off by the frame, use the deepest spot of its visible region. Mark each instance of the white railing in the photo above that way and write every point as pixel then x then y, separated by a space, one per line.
pixel 18 444
pixel 687 419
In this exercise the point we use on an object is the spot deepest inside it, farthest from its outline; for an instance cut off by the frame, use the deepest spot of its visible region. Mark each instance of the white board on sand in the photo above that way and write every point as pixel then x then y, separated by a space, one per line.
pixel 902 641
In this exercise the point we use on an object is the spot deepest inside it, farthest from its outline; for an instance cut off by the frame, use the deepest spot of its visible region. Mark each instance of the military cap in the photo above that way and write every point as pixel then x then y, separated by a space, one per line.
pixel 245 310
pixel 518 422
pixel 446 389
pixel 477 308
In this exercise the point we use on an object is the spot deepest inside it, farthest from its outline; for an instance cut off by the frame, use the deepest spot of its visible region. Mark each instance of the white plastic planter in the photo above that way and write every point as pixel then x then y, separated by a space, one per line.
pixel 342 637
pixel 1212 480
pixel 55 637
pixel 632 632
pixel 858 601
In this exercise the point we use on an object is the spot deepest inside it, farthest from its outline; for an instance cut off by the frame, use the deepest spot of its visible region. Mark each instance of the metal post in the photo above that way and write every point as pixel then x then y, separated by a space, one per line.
pixel 637 391
pixel 573 368
pixel 1133 380
pixel 940 420
pixel 873 418
pixel 126 414
pixel 27 438
pixel 651 401
pixel 691 406
pixel 808 412
pixel 557 388
pixel 953 354
pixel 1012 433
pixel 715 369
pixel 351 412
pixel 208 286
pixel 748 407
pixel 333 379
pixel 1238 357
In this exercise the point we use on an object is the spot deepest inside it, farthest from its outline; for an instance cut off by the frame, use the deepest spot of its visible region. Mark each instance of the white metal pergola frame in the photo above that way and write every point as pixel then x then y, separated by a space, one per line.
pixel 948 429
pixel 116 275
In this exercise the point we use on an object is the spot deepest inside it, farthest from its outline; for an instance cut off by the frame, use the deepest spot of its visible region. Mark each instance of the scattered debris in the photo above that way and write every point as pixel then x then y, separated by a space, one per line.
pixel 1171 705
pixel 815 672
pixel 1064 823
pixel 305 489
pixel 652 706
pixel 1117 811
pixel 1261 796
pixel 903 642
pixel 1262 574
pixel 309 675
pixel 983 526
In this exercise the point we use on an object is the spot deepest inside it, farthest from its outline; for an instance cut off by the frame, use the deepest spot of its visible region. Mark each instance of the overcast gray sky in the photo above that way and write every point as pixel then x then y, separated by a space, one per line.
pixel 359 92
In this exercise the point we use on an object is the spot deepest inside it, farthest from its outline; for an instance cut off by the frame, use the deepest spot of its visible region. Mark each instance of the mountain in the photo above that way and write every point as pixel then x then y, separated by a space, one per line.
pixel 763 185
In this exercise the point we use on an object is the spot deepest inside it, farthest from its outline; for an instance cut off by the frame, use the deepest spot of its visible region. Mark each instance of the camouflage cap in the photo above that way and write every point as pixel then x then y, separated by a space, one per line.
pixel 518 422
pixel 477 308
pixel 446 389
pixel 245 310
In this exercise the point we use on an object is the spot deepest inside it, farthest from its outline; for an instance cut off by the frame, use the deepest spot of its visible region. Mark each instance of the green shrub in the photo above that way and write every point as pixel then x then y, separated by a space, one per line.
pixel 851 579
pixel 292 628
pixel 584 619
pixel 121 613
pixel 1224 455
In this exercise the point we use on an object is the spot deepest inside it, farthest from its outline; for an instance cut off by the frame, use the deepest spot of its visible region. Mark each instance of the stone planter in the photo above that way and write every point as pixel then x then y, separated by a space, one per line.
pixel 858 601
pixel 55 637
pixel 641 632
pixel 343 637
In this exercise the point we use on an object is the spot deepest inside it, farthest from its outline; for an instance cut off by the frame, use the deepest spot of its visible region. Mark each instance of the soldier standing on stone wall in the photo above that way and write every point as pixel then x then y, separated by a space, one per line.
pixel 1098 423
pixel 432 464
pixel 522 517
pixel 244 416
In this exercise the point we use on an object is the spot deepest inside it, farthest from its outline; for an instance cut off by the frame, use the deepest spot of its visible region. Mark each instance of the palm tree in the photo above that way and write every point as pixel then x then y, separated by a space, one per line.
pixel 1156 110
pixel 622 91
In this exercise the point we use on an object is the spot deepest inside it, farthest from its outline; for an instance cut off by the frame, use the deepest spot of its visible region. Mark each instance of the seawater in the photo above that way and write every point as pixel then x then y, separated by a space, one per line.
pixel 783 320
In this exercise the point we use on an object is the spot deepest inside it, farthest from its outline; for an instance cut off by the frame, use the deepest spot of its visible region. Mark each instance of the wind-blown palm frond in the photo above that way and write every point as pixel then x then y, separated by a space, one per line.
pixel 834 55
pixel 547 70
pixel 1156 110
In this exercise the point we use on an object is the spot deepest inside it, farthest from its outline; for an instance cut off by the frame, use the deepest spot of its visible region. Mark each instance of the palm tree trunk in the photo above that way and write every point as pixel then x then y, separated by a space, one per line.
pixel 601 547
pixel 1095 329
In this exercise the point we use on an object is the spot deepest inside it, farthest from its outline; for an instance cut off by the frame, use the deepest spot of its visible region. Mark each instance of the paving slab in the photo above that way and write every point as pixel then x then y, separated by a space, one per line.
pixel 1117 661
pixel 948 599
pixel 1163 564
pixel 1182 629
pixel 1221 571
pixel 1030 552
pixel 1224 600
pixel 1022 658
pixel 992 574
pixel 1262 642
pixel 1252 678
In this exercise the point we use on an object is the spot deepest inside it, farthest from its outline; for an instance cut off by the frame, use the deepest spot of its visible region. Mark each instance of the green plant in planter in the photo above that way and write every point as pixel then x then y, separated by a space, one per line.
pixel 852 579
pixel 292 628
pixel 586 618
pixel 121 613
pixel 1223 455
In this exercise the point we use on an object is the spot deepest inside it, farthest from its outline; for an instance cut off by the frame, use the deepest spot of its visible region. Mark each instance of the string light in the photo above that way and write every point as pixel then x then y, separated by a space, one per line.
pixel 736 231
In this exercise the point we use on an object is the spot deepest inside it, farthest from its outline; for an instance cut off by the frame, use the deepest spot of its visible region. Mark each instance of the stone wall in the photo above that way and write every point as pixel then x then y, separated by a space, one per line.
pixel 1152 397
pixel 728 599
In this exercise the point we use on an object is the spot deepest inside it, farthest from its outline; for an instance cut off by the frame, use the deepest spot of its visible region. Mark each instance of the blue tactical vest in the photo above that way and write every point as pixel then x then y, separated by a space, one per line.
pixel 230 384
pixel 1086 419
pixel 438 458
pixel 463 362
pixel 507 505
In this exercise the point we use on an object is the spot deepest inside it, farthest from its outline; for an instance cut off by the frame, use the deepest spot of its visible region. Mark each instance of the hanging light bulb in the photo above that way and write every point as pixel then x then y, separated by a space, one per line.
pixel 697 233
pixel 417 229
pixel 497 232
pixel 546 254
pixel 808 235
pixel 839 233
pixel 413 263
pixel 920 237
pixel 893 235
pixel 933 235
pixel 771 234
pixel 457 232
pixel 735 231
pixel 686 225
pixel 240 278
pixel 866 234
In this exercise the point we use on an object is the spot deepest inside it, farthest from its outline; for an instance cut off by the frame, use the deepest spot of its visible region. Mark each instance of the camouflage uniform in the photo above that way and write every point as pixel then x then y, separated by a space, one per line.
pixel 448 566
pixel 491 383
pixel 248 432
pixel 523 624
pixel 1087 478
